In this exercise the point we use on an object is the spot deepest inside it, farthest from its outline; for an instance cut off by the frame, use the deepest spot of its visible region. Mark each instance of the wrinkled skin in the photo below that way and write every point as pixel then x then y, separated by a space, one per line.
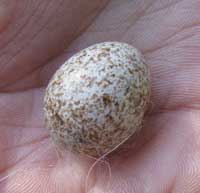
pixel 36 36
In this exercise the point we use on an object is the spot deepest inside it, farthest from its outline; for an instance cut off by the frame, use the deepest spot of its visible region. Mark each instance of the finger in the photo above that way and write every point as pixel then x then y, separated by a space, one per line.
pixel 38 31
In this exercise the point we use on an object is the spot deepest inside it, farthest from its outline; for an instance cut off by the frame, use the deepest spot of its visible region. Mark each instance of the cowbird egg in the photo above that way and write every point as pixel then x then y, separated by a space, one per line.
pixel 98 98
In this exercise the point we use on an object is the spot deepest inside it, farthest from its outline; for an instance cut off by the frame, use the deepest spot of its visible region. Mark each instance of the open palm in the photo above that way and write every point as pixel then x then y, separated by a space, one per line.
pixel 37 36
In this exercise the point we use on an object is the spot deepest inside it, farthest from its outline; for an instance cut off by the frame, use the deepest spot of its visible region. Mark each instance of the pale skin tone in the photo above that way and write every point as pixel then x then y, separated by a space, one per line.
pixel 37 36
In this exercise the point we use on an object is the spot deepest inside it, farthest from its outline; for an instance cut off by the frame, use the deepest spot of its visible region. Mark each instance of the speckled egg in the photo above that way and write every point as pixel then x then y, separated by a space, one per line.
pixel 98 98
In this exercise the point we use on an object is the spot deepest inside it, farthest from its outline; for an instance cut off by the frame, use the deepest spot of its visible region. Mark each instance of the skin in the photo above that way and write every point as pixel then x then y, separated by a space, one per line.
pixel 166 156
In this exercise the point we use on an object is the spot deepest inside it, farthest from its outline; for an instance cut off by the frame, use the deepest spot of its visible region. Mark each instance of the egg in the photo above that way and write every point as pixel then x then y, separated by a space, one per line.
pixel 98 98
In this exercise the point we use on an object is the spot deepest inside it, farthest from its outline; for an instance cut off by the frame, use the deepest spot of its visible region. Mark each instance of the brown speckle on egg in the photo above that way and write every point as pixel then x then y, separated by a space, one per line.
pixel 98 98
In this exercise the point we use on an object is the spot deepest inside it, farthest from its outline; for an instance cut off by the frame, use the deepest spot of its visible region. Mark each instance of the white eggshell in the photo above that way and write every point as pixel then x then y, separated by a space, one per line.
pixel 98 98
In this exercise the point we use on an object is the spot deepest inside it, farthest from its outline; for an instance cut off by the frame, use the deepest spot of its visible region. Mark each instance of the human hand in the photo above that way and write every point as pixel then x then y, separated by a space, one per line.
pixel 34 35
